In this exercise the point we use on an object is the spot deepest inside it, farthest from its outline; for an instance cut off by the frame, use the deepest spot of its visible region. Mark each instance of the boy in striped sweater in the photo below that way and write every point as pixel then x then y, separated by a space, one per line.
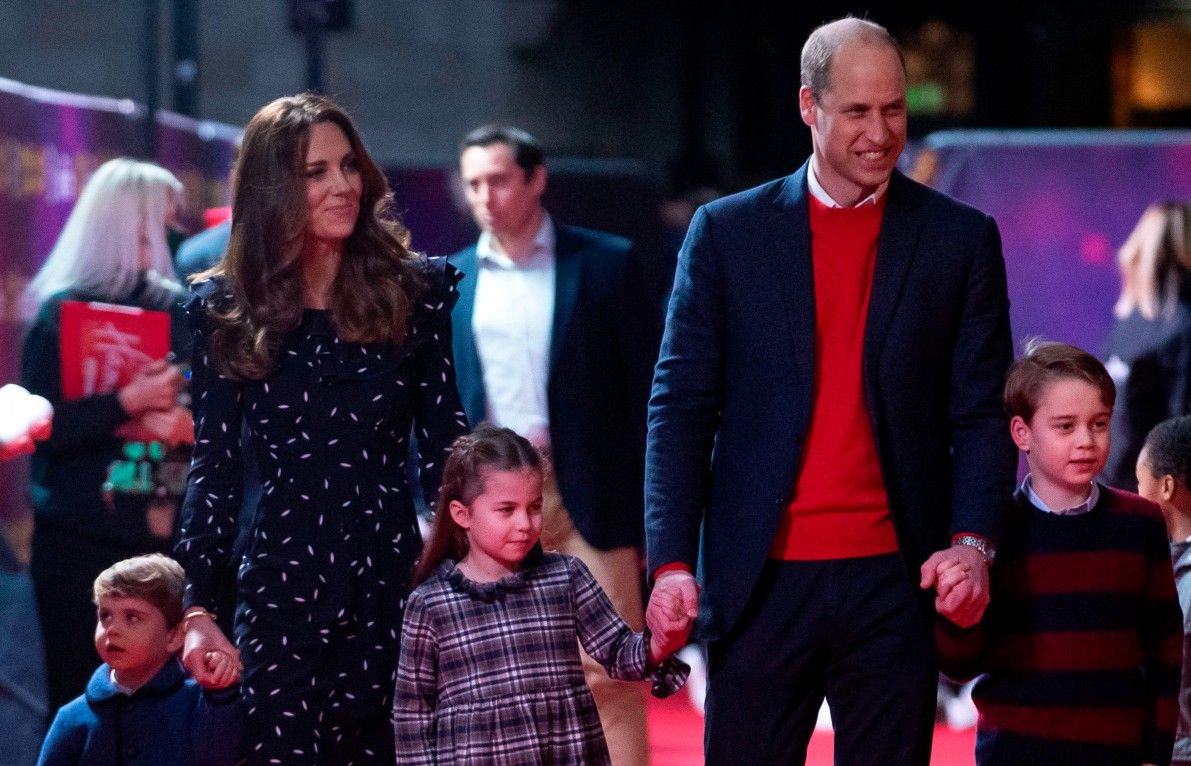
pixel 1081 645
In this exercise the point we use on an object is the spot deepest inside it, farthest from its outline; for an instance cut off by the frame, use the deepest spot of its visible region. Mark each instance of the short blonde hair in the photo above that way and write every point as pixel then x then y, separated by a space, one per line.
pixel 155 578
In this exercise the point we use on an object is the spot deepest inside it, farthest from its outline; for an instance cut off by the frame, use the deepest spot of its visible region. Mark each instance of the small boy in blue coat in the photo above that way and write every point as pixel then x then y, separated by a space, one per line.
pixel 139 706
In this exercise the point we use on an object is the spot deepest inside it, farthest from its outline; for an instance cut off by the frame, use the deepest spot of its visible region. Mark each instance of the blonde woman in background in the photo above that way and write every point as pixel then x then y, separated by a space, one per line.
pixel 112 249
pixel 1148 350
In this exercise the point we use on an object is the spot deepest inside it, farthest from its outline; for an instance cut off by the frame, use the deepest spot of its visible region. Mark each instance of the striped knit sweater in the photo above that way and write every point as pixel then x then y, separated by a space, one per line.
pixel 1081 645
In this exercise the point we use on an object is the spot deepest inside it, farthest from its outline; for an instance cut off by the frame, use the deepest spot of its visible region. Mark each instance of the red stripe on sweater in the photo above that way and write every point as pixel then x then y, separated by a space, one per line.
pixel 1079 572
pixel 1078 650
pixel 1104 725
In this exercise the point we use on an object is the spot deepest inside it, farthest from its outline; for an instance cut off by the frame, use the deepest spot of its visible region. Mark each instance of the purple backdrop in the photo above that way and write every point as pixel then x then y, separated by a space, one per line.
pixel 1065 202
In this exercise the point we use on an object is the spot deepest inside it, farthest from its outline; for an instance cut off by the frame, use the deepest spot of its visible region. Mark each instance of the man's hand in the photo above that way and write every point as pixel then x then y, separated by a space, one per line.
pixel 959 576
pixel 673 606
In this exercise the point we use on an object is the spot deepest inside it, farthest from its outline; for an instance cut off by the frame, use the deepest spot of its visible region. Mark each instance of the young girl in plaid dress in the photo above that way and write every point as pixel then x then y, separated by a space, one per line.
pixel 489 669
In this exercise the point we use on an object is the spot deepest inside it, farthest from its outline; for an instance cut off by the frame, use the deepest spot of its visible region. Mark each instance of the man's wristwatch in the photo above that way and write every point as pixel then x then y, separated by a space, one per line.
pixel 980 544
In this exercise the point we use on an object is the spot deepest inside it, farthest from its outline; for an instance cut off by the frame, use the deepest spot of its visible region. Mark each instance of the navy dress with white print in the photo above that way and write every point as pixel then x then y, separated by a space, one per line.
pixel 324 579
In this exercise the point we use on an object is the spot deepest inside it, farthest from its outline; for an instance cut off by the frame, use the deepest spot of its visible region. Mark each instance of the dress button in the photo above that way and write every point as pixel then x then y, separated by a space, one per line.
pixel 133 752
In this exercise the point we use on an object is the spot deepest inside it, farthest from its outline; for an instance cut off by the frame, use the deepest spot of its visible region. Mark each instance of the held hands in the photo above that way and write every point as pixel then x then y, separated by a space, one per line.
pixel 154 388
pixel 208 656
pixel 959 576
pixel 224 668
pixel 673 606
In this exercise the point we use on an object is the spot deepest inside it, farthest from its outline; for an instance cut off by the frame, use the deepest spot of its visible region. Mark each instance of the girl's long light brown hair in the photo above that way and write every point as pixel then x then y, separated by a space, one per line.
pixel 472 458
pixel 378 278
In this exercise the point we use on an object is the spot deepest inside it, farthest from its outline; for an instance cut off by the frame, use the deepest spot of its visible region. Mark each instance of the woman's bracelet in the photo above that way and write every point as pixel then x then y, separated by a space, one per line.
pixel 195 611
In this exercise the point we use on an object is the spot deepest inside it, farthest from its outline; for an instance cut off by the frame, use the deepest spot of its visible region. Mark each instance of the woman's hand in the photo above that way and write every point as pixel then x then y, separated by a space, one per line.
pixel 154 387
pixel 171 427
pixel 207 654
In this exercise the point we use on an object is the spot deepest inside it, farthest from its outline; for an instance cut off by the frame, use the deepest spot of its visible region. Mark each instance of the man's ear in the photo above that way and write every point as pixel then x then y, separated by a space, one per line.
pixel 460 514
pixel 807 106
pixel 537 180
pixel 1019 429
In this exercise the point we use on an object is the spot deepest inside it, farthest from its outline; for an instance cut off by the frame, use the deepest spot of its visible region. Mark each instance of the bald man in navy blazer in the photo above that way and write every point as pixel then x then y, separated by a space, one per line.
pixel 827 448
pixel 555 335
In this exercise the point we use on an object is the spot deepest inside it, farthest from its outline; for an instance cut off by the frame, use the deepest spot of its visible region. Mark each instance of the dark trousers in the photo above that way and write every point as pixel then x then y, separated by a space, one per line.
pixel 850 630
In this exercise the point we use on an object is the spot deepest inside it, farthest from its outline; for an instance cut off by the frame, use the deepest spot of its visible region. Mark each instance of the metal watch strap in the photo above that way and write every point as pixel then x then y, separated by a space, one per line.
pixel 980 544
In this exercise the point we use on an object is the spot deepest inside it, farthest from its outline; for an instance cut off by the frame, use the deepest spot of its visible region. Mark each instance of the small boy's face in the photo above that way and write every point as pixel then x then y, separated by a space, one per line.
pixel 1154 488
pixel 132 637
pixel 1066 442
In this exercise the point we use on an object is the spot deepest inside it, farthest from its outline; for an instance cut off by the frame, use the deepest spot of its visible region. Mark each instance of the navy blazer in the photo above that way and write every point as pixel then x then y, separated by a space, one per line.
pixel 603 344
pixel 732 392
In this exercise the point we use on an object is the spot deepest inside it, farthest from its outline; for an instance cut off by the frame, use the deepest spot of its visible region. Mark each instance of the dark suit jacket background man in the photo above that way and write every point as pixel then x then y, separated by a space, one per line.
pixel 793 322
pixel 555 335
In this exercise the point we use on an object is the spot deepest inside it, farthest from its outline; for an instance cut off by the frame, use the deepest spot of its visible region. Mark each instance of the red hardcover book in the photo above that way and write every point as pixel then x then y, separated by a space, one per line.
pixel 103 345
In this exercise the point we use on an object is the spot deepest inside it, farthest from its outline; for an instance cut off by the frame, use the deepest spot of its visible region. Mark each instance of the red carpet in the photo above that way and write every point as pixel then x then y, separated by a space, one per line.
pixel 676 738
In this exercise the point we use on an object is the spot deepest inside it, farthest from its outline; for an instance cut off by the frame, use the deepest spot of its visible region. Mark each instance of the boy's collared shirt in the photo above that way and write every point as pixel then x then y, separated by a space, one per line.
pixel 120 689
pixel 1087 505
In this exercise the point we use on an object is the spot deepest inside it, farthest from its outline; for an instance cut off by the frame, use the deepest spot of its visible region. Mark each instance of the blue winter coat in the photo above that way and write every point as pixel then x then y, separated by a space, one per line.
pixel 169 720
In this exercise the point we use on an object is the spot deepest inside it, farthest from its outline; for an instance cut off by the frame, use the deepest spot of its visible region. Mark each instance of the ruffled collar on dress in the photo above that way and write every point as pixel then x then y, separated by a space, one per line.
pixel 491 591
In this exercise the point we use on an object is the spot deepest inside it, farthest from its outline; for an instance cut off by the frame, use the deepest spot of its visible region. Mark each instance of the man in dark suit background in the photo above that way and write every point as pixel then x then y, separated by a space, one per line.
pixel 555 337
pixel 826 435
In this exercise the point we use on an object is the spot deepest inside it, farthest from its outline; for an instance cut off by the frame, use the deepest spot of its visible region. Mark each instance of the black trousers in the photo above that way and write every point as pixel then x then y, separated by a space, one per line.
pixel 850 630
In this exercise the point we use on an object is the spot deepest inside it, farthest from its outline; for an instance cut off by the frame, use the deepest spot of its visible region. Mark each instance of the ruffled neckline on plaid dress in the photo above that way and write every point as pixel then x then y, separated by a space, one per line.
pixel 491 591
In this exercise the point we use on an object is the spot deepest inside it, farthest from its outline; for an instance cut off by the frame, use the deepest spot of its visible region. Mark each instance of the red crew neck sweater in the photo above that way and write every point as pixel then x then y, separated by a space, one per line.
pixel 839 507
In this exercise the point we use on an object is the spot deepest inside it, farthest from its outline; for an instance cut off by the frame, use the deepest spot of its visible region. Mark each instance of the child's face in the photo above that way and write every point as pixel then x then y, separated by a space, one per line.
pixel 132 637
pixel 504 522
pixel 1149 486
pixel 1067 439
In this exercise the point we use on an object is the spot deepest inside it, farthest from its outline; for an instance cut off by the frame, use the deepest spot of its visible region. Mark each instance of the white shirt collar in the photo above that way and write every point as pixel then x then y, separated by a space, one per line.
pixel 543 244
pixel 1075 510
pixel 818 192
pixel 119 687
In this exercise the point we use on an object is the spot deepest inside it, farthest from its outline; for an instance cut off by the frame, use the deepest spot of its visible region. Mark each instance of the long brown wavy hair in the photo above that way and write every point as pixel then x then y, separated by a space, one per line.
pixel 471 459
pixel 378 278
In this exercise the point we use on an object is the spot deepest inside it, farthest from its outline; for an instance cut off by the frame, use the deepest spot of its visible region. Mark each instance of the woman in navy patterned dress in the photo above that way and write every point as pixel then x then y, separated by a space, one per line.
pixel 328 340
pixel 489 670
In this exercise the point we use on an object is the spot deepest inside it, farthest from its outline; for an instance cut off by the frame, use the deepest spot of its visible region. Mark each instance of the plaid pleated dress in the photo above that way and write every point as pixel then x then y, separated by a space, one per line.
pixel 489 673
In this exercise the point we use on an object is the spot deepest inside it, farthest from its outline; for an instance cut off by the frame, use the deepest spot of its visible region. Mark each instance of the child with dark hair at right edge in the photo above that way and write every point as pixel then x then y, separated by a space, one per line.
pixel 1163 476
pixel 1081 645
